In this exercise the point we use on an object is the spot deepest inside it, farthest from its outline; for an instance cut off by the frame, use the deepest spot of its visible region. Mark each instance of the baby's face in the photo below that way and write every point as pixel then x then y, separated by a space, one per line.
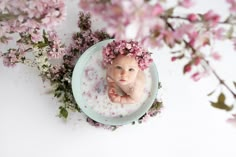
pixel 124 69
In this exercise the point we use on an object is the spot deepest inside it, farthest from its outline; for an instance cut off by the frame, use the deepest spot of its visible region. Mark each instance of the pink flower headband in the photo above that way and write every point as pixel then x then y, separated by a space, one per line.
pixel 128 48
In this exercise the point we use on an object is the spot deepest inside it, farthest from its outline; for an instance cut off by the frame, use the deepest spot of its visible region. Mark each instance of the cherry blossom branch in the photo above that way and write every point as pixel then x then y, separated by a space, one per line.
pixel 221 81
pixel 198 21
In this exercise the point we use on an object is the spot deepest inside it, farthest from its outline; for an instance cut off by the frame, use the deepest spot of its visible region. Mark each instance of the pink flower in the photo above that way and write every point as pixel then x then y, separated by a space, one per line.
pixel 157 10
pixel 192 38
pixel 186 3
pixel 128 46
pixel 215 56
pixel 233 5
pixel 192 17
pixel 197 61
pixel 56 49
pixel 28 15
pixel 196 76
pixel 173 58
pixel 169 38
pixel 218 33
pixel 187 68
pixel 182 30
pixel 10 59
pixel 211 17
pixel 35 35
pixel 232 120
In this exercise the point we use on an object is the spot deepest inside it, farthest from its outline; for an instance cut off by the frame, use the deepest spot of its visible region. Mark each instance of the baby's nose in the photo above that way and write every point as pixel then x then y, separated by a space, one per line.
pixel 123 72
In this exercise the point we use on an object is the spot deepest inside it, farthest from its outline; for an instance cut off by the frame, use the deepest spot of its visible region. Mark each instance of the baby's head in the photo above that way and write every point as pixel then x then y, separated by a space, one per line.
pixel 124 69
pixel 125 59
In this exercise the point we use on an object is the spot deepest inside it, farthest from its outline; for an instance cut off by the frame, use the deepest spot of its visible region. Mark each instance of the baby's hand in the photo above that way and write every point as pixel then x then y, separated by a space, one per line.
pixel 114 97
pixel 109 79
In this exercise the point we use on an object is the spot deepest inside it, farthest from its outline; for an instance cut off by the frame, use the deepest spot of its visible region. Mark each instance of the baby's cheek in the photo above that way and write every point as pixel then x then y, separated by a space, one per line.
pixel 133 76
pixel 115 73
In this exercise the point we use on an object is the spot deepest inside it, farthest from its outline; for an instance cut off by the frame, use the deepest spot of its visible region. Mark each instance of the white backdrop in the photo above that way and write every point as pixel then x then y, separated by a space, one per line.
pixel 187 127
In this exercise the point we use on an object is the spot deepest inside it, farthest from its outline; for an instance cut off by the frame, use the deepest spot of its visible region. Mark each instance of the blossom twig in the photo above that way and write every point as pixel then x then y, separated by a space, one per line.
pixel 221 81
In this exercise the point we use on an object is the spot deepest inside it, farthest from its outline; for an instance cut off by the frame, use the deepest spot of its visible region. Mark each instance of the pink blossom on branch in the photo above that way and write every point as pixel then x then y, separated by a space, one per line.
pixel 215 56
pixel 157 10
pixel 123 15
pixel 19 15
pixel 211 17
pixel 219 33
pixel 186 3
pixel 232 5
pixel 232 120
pixel 192 17
pixel 187 68
pixel 196 76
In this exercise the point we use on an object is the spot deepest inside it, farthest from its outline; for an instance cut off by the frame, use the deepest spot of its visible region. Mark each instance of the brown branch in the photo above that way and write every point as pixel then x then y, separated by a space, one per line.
pixel 198 21
pixel 207 62
pixel 222 82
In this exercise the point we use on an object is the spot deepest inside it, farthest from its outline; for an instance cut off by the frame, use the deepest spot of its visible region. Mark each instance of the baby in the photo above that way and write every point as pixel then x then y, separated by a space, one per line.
pixel 125 62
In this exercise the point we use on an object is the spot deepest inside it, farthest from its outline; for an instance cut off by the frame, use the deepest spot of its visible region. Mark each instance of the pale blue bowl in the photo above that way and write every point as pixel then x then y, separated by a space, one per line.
pixel 77 92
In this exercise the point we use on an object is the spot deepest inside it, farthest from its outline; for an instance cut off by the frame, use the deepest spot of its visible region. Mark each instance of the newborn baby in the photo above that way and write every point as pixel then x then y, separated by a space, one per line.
pixel 125 62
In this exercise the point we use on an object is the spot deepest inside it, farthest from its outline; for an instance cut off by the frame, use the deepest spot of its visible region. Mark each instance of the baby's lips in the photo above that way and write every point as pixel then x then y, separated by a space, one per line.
pixel 122 80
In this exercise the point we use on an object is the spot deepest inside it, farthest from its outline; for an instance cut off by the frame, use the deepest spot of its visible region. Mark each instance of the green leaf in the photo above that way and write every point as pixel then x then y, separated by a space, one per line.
pixel 41 44
pixel 221 98
pixel 220 104
pixel 63 112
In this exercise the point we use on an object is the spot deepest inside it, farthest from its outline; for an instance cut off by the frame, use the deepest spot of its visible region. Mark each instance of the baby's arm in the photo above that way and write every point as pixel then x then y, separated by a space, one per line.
pixel 114 96
pixel 125 99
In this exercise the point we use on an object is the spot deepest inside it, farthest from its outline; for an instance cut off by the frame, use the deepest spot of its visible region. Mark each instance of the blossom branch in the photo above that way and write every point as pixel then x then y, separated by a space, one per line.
pixel 221 81
pixel 227 21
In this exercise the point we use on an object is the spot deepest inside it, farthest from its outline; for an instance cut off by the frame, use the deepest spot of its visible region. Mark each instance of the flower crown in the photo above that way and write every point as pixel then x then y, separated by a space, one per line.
pixel 128 48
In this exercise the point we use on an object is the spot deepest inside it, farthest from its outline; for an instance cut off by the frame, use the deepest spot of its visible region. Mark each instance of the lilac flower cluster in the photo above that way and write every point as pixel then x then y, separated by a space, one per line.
pixel 11 58
pixel 56 48
pixel 129 48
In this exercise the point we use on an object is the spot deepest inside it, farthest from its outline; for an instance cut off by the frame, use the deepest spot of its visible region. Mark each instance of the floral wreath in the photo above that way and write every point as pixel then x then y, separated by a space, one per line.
pixel 128 48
